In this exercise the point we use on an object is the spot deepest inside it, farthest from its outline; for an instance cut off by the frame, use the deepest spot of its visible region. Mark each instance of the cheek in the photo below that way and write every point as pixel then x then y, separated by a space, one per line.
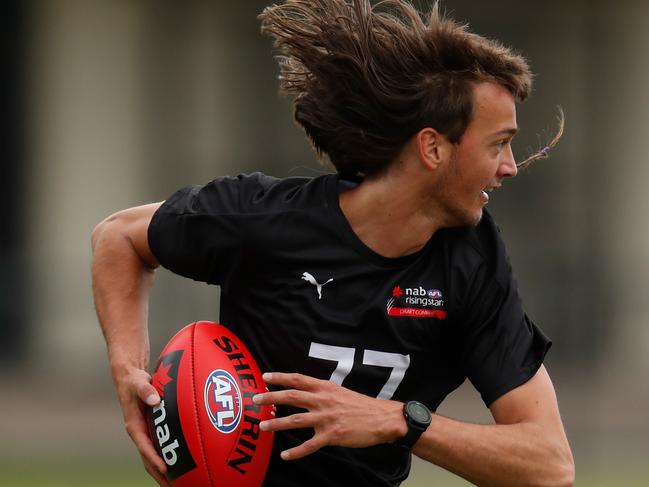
pixel 476 180
pixel 488 168
pixel 473 171
pixel 473 183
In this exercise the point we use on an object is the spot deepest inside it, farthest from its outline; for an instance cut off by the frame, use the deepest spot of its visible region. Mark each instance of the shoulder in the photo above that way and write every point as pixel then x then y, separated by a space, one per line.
pixel 258 190
pixel 247 193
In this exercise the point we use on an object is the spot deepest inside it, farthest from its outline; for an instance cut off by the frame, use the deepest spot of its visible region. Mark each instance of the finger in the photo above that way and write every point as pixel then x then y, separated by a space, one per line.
pixel 294 381
pixel 155 473
pixel 294 421
pixel 148 451
pixel 306 448
pixel 289 397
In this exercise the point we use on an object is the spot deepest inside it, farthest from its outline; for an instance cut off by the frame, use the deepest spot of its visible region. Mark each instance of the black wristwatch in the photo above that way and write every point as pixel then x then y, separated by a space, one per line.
pixel 418 418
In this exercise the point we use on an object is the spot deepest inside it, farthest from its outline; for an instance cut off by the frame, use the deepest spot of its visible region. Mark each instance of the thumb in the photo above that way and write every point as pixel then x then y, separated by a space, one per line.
pixel 148 394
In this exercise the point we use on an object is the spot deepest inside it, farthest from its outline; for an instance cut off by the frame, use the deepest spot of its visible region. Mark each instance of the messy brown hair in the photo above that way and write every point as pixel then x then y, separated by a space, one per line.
pixel 366 78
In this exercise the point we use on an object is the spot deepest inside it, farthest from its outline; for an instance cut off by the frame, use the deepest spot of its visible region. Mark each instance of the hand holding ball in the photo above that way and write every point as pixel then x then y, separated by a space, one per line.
pixel 206 428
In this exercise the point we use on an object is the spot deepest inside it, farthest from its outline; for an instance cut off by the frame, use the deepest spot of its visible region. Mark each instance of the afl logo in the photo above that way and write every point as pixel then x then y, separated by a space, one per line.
pixel 434 293
pixel 223 401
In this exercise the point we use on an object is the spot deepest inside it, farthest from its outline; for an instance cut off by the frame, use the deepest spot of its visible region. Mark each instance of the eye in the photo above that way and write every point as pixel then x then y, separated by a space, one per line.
pixel 501 144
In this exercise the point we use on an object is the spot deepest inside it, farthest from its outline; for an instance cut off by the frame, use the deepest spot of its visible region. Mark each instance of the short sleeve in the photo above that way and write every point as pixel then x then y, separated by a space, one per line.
pixel 502 347
pixel 197 232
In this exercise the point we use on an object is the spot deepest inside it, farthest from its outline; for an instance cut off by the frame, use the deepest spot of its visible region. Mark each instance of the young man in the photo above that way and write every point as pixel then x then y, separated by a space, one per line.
pixel 370 294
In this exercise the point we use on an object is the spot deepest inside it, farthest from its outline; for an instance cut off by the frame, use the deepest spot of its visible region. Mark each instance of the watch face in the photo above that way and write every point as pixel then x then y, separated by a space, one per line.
pixel 418 412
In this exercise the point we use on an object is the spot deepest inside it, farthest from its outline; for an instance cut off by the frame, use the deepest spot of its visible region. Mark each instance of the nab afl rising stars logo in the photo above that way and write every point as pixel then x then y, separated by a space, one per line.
pixel 223 401
pixel 416 302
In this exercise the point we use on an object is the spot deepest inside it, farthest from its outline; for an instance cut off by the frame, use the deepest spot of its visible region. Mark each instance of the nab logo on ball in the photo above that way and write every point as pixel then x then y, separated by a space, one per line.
pixel 164 421
pixel 223 401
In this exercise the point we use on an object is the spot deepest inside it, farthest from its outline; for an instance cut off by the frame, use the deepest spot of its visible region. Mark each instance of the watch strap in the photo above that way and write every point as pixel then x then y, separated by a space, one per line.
pixel 411 437
pixel 415 427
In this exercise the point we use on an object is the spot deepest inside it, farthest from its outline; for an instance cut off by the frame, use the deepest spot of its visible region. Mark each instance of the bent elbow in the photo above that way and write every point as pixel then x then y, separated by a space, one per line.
pixel 567 467
pixel 557 470
pixel 563 471
pixel 124 235
pixel 568 474
pixel 98 231
pixel 95 235
pixel 561 476
pixel 109 224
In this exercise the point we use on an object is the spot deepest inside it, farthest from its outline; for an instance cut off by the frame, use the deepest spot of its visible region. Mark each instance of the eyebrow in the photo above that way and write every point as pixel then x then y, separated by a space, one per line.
pixel 509 131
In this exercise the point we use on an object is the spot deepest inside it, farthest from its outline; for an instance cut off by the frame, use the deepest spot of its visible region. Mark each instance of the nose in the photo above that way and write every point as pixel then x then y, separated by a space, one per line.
pixel 508 164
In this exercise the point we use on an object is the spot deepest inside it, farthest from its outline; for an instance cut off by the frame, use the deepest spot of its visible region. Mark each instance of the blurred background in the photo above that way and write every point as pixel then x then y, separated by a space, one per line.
pixel 109 104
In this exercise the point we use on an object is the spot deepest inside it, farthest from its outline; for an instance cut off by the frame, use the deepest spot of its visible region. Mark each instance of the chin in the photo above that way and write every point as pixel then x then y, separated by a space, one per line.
pixel 476 218
pixel 471 217
pixel 467 219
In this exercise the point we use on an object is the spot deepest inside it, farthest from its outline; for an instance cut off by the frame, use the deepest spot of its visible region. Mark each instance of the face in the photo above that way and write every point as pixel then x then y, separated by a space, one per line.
pixel 482 159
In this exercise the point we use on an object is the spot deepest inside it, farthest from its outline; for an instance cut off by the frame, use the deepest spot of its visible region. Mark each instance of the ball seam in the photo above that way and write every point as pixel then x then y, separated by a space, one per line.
pixel 198 424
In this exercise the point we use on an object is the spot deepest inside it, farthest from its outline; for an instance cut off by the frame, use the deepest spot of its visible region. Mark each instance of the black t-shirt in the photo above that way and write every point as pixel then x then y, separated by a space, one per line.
pixel 306 295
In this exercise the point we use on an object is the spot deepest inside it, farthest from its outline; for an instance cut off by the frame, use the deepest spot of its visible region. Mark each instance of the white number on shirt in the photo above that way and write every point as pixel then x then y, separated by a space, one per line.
pixel 344 357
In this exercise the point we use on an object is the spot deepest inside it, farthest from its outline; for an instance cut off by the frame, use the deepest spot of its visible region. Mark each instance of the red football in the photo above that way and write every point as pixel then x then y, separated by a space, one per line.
pixel 206 427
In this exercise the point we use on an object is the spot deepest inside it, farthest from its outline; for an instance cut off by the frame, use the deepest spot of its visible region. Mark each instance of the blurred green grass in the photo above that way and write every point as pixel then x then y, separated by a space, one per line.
pixel 131 475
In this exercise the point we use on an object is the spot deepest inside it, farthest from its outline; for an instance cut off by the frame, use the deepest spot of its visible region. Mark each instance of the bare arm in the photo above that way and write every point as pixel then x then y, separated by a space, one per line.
pixel 526 447
pixel 122 274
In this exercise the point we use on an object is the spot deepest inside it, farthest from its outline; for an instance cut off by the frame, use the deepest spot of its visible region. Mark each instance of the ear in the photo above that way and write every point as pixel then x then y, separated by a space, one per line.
pixel 433 148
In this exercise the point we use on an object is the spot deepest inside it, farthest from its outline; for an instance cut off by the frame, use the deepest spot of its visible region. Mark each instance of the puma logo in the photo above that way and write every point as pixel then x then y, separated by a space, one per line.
pixel 309 278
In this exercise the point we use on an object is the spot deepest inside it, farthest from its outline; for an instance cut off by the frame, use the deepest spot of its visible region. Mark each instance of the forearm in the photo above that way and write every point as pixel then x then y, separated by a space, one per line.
pixel 121 282
pixel 122 274
pixel 527 446
pixel 497 455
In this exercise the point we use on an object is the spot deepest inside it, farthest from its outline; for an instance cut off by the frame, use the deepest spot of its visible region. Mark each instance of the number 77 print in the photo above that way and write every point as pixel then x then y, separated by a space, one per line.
pixel 344 356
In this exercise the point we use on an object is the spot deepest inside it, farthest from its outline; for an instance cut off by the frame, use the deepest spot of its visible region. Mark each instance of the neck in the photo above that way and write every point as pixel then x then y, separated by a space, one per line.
pixel 388 214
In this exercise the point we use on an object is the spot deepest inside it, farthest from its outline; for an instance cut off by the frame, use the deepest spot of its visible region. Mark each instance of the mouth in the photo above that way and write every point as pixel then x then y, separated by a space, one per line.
pixel 485 192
